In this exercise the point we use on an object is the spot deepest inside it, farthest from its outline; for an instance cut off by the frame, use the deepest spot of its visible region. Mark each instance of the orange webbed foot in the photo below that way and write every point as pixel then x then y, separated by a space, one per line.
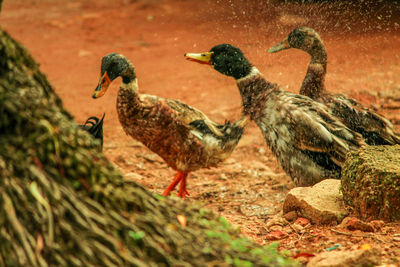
pixel 180 177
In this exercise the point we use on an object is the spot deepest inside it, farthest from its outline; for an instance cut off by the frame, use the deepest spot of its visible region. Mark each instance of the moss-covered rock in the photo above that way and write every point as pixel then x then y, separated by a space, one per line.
pixel 62 203
pixel 371 182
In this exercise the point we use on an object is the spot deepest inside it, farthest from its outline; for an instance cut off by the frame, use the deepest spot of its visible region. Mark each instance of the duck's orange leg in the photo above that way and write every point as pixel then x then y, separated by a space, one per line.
pixel 182 187
pixel 179 177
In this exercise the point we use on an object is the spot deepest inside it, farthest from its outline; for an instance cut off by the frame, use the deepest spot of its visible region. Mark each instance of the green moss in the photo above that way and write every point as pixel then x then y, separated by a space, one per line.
pixel 371 181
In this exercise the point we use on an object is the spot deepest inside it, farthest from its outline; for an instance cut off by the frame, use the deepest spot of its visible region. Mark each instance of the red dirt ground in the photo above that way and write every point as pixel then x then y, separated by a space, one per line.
pixel 69 38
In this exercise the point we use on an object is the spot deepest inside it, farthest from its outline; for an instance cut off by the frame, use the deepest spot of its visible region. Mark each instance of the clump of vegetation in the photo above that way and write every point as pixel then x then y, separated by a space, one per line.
pixel 371 182
pixel 62 203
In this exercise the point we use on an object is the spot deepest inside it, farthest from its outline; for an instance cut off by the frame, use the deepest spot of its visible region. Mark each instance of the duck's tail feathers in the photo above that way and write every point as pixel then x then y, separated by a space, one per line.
pixel 233 132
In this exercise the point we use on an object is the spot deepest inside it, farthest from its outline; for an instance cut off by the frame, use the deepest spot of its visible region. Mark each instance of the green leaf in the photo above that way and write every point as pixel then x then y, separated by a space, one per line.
pixel 136 236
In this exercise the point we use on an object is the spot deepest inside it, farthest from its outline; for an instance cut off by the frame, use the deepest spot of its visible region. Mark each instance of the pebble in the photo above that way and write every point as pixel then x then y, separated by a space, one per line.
pixel 353 223
pixel 260 166
pixel 133 176
pixel 290 216
pixel 396 239
pixel 302 221
pixel 276 235
pixel 298 228
pixel 222 177
pixel 277 220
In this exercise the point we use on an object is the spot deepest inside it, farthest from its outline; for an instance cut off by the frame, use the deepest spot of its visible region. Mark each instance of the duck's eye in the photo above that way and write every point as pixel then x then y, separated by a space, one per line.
pixel 203 55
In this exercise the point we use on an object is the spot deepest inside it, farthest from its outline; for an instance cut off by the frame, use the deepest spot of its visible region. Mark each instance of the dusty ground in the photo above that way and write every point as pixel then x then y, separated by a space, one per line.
pixel 69 38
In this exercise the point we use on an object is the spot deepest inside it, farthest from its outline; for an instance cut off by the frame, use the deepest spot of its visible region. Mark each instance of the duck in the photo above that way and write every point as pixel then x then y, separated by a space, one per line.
pixel 309 142
pixel 375 128
pixel 183 136
pixel 94 126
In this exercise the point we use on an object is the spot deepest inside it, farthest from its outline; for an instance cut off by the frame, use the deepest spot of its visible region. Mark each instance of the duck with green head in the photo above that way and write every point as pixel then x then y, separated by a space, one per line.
pixel 375 128
pixel 183 136
pixel 308 141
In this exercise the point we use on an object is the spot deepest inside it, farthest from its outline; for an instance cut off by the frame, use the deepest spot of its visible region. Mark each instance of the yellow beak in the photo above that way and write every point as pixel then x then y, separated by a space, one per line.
pixel 102 87
pixel 279 47
pixel 202 58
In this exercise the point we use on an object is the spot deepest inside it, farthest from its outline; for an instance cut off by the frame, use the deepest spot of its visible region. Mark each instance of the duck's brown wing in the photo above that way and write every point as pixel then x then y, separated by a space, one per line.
pixel 376 129
pixel 194 118
pixel 316 130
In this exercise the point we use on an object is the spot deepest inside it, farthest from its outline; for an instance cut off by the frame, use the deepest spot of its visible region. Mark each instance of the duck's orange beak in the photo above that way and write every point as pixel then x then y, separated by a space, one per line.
pixel 102 87
pixel 279 47
pixel 202 58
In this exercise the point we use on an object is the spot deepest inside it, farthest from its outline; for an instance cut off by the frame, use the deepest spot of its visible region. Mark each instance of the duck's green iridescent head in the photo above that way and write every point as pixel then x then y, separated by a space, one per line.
pixel 112 66
pixel 303 38
pixel 225 58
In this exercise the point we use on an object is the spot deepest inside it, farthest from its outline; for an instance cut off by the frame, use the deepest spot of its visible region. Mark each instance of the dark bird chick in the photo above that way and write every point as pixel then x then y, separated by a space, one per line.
pixel 94 126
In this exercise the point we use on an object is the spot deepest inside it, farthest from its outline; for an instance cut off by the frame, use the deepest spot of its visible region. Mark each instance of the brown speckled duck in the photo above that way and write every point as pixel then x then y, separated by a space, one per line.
pixel 183 136
pixel 376 129
pixel 309 142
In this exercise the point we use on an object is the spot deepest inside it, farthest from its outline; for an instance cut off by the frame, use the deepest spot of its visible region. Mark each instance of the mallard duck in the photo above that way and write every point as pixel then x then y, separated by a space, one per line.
pixel 183 136
pixel 94 126
pixel 309 142
pixel 376 129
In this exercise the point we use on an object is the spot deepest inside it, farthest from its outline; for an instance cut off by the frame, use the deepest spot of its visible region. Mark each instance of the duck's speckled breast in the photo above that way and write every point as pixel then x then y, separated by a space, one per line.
pixel 271 109
pixel 151 121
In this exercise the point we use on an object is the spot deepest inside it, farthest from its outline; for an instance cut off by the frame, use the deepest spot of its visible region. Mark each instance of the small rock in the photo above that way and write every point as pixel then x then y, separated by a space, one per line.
pixel 277 220
pixel 377 224
pixel 352 224
pixel 321 203
pixel 255 210
pixel 396 239
pixel 133 176
pixel 149 157
pixel 237 166
pixel 344 222
pixel 261 150
pixel 290 216
pixel 289 230
pixel 276 235
pixel 302 221
pixel 120 160
pixel 222 177
pixel 275 228
pixel 367 257
pixel 280 187
pixel 298 228
pixel 260 166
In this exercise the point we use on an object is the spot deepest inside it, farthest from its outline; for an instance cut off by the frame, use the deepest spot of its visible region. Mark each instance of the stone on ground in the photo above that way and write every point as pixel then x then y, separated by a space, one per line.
pixel 356 258
pixel 371 182
pixel 321 203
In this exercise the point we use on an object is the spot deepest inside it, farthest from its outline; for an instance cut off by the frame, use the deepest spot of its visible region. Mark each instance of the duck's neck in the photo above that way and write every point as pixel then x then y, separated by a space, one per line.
pixel 314 81
pixel 318 53
pixel 128 101
pixel 130 86
pixel 254 90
